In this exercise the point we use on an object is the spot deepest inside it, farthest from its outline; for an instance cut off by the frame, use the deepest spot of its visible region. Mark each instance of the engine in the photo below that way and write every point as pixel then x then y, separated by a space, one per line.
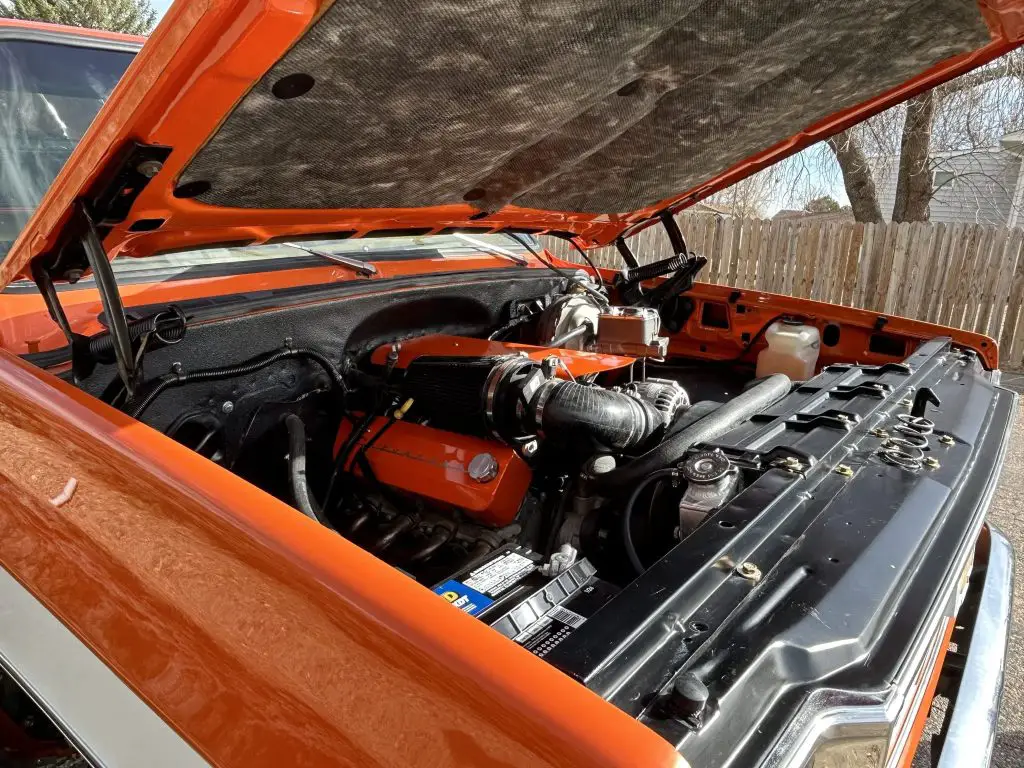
pixel 520 479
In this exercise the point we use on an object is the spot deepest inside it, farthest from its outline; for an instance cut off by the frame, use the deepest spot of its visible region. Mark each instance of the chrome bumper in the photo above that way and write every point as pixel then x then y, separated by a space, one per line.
pixel 971 734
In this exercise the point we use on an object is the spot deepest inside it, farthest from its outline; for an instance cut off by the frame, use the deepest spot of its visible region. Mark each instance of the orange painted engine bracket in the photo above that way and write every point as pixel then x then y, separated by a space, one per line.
pixel 577 363
pixel 435 464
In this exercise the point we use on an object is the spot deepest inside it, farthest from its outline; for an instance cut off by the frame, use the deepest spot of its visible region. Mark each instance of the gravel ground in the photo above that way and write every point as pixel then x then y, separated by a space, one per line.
pixel 1007 513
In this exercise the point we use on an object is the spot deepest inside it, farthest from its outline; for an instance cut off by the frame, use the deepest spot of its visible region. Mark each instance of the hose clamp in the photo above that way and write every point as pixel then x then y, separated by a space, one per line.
pixel 491 387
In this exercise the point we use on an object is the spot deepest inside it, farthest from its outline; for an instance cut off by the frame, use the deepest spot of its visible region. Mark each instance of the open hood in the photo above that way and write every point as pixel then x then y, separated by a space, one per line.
pixel 243 121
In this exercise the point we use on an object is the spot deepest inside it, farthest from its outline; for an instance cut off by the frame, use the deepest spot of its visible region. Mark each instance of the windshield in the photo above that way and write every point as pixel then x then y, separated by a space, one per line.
pixel 220 262
pixel 49 93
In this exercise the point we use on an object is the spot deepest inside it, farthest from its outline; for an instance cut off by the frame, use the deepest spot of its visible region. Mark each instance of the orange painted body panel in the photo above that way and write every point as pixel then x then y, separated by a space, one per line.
pixel 857 326
pixel 921 716
pixel 260 636
pixel 578 363
pixel 206 54
pixel 433 463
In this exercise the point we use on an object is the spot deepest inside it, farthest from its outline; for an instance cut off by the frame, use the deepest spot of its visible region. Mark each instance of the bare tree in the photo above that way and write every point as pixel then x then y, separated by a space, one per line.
pixel 967 114
pixel 750 197
pixel 965 117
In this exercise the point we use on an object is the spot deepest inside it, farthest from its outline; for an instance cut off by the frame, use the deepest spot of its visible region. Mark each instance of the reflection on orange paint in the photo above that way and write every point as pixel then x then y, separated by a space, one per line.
pixel 259 635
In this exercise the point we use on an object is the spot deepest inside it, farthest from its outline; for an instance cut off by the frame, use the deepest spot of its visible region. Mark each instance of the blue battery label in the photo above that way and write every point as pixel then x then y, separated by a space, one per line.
pixel 462 597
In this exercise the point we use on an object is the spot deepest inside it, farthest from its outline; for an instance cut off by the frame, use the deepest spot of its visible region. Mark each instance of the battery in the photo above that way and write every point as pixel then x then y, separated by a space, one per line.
pixel 508 592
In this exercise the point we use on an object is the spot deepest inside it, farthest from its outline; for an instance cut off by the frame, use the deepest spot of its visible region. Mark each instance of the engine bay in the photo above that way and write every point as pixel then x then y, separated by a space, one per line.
pixel 526 474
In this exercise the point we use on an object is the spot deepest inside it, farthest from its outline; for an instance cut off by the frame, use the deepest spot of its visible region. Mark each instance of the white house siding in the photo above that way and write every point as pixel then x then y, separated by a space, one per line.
pixel 983 192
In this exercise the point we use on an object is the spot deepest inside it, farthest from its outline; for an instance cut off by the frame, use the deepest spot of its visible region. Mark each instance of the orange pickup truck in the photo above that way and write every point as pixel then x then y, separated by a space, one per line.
pixel 317 457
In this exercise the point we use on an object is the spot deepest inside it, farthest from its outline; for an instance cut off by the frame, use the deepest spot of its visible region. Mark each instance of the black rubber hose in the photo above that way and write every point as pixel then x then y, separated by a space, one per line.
pixel 170 326
pixel 297 471
pixel 396 529
pixel 712 426
pixel 627 515
pixel 170 380
pixel 440 536
pixel 613 419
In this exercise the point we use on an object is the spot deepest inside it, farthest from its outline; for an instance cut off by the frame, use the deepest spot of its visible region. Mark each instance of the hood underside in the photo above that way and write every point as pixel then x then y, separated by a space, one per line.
pixel 595 107
pixel 583 117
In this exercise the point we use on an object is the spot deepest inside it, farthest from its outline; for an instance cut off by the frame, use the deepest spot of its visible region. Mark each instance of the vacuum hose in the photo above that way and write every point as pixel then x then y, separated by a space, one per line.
pixel 762 395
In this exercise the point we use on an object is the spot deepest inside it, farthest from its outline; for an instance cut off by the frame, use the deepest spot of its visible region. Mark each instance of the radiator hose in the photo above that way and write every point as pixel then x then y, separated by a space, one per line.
pixel 670 450
pixel 297 471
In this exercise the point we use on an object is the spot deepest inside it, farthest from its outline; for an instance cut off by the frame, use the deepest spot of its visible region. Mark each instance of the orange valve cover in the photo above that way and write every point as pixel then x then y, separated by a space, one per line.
pixel 435 464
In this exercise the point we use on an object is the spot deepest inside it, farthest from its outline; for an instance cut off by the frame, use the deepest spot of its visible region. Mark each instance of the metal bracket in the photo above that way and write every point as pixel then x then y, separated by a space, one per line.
pixel 626 254
pixel 675 235
pixel 103 274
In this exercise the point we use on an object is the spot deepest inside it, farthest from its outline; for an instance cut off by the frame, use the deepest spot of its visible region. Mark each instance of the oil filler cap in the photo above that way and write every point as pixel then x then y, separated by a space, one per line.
pixel 706 467
pixel 483 468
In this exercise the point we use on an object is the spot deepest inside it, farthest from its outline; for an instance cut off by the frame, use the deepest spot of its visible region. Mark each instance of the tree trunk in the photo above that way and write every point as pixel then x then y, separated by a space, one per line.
pixel 914 183
pixel 860 186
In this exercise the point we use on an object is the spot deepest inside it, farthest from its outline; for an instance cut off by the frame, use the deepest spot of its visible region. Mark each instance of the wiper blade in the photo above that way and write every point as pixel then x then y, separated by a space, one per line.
pixel 359 266
pixel 497 250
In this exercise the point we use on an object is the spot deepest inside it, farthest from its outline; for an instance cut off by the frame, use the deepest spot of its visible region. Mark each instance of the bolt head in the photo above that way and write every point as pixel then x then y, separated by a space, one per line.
pixel 947 440
pixel 842 417
pixel 749 571
pixel 931 462
pixel 149 168
pixel 530 448
pixel 844 470
pixel 906 402
pixel 227 406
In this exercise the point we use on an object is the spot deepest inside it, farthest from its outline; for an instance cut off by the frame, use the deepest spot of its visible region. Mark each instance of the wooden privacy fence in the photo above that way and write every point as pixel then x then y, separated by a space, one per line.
pixel 964 275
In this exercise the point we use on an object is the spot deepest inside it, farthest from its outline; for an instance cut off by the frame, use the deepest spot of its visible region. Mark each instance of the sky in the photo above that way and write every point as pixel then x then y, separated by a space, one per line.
pixel 161 7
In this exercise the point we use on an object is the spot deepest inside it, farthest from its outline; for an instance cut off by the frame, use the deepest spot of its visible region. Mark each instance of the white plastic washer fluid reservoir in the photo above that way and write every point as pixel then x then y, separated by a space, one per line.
pixel 792 350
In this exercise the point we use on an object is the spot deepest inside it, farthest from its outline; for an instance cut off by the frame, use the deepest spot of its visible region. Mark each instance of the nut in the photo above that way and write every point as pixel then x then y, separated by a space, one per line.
pixel 879 432
pixel 947 440
pixel 931 462
pixel 749 571
pixel 842 417
pixel 906 402
pixel 844 470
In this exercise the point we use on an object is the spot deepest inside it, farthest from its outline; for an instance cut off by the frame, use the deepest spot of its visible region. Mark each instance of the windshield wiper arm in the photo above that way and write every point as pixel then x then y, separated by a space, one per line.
pixel 497 250
pixel 358 265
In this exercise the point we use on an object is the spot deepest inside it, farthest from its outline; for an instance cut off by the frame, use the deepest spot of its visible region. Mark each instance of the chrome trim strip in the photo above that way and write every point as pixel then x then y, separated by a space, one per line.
pixel 67 38
pixel 98 713
pixel 971 734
